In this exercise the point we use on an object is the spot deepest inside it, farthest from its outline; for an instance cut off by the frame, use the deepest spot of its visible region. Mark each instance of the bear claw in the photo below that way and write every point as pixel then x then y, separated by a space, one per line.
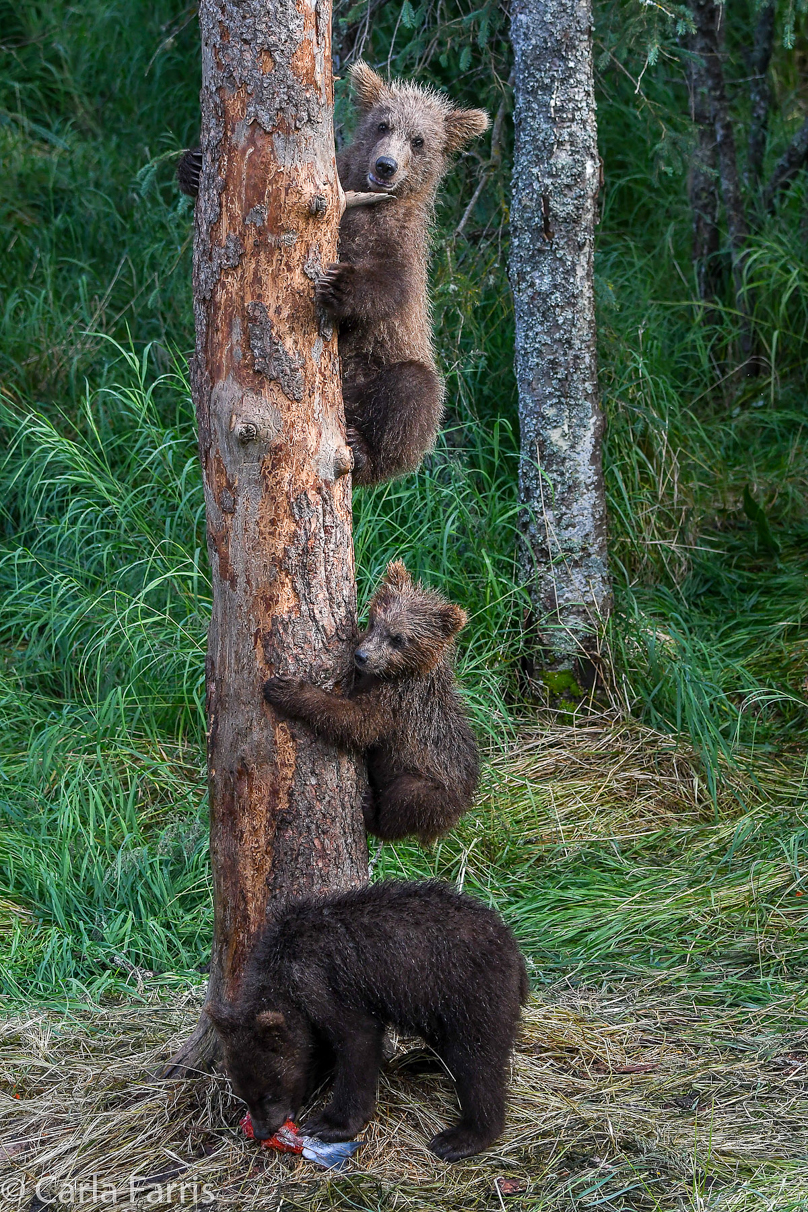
pixel 455 1143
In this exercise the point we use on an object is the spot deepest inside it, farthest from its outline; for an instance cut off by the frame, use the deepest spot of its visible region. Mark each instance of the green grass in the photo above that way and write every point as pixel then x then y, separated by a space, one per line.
pixel 104 587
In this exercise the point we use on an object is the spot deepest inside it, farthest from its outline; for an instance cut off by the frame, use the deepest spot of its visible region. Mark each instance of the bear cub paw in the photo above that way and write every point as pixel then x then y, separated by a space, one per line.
pixel 281 692
pixel 359 450
pixel 332 1128
pixel 335 288
pixel 454 1143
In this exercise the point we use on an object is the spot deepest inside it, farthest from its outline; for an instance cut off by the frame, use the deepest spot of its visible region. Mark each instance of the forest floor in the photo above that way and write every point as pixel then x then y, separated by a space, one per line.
pixel 652 861
pixel 684 1088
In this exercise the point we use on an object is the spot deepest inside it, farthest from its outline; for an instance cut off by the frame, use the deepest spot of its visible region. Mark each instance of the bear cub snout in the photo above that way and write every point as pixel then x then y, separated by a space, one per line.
pixel 403 712
pixel 329 974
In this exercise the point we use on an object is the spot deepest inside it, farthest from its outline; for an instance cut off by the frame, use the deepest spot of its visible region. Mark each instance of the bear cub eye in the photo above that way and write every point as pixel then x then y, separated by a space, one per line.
pixel 397 641
pixel 383 128
pixel 418 142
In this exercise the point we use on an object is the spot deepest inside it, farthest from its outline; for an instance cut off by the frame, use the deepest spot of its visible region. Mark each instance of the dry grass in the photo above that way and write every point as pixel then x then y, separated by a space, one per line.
pixel 633 1095
pixel 626 1100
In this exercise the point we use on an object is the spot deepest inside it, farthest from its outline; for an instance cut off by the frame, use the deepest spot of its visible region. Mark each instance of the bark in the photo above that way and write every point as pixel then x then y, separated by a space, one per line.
pixel 793 159
pixel 555 186
pixel 760 93
pixel 703 187
pixel 707 16
pixel 284 807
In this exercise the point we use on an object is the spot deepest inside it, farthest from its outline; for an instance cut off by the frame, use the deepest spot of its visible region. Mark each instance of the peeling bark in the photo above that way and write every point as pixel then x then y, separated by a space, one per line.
pixel 555 186
pixel 285 807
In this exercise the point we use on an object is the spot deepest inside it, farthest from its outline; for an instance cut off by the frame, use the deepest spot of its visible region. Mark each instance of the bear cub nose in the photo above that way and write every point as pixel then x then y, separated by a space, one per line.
pixel 360 657
pixel 385 167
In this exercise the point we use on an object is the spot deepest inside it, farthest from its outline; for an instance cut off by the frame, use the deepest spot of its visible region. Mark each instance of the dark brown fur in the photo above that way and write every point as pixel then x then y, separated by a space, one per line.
pixel 403 713
pixel 379 291
pixel 330 973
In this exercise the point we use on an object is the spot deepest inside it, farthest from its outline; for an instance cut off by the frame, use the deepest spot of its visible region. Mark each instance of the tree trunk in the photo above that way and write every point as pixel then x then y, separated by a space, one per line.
pixel 555 185
pixel 707 16
pixel 794 158
pixel 703 187
pixel 284 807
pixel 760 93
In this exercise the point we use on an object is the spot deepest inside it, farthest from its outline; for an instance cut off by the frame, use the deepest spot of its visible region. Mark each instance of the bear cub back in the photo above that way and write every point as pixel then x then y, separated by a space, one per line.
pixel 329 973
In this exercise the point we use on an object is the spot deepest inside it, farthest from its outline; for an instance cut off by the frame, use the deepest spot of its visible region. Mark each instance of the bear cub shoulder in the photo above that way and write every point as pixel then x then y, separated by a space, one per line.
pixel 403 712
pixel 330 973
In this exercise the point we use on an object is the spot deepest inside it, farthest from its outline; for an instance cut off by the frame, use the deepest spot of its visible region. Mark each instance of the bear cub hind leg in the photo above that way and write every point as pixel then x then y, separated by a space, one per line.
pixel 480 1085
pixel 410 805
pixel 395 415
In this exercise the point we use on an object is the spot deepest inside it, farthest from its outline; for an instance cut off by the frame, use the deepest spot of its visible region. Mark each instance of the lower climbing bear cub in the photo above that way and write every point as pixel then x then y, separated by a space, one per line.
pixel 330 973
pixel 404 712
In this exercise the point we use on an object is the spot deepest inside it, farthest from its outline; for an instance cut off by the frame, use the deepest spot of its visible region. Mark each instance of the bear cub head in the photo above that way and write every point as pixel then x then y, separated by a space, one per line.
pixel 268 1060
pixel 410 628
pixel 405 135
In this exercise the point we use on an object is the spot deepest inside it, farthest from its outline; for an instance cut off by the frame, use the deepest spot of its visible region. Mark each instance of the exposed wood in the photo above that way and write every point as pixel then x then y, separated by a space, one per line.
pixel 555 185
pixel 285 807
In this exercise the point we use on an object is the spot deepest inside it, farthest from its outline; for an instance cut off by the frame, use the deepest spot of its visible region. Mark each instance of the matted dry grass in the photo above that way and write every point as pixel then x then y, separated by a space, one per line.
pixel 626 1097
pixel 623 1100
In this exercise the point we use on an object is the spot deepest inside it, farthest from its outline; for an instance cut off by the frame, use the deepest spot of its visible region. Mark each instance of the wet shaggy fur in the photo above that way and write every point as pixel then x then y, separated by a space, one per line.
pixel 378 291
pixel 331 973
pixel 403 712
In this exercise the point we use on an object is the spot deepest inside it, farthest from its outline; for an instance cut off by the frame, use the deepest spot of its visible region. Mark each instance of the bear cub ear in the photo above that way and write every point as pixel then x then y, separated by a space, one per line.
pixel 464 124
pixel 451 619
pixel 270 1022
pixel 369 88
pixel 396 575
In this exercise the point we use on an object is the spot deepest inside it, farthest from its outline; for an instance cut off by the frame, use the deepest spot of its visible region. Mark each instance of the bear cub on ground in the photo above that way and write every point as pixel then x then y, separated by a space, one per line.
pixel 403 712
pixel 379 290
pixel 329 974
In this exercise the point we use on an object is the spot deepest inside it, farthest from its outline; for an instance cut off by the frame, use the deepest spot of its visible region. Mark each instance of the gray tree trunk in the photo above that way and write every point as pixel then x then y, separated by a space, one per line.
pixel 284 807
pixel 555 185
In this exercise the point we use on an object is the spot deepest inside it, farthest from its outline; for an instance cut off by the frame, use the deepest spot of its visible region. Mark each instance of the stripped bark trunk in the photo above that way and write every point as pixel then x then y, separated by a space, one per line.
pixel 284 807
pixel 555 185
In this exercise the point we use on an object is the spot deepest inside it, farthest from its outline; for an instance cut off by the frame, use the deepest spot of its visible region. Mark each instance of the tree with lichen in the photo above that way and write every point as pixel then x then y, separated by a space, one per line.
pixel 555 186
pixel 285 814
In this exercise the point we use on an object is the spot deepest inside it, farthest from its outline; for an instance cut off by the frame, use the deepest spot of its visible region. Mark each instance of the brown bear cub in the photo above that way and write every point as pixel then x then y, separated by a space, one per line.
pixel 329 974
pixel 403 712
pixel 379 291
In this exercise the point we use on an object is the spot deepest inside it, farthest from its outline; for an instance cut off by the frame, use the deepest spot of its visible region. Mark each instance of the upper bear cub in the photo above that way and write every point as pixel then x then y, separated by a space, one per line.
pixel 403 712
pixel 379 292
pixel 330 973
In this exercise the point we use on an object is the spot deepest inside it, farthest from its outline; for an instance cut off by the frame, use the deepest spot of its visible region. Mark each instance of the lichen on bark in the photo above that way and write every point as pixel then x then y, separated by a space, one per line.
pixel 555 185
